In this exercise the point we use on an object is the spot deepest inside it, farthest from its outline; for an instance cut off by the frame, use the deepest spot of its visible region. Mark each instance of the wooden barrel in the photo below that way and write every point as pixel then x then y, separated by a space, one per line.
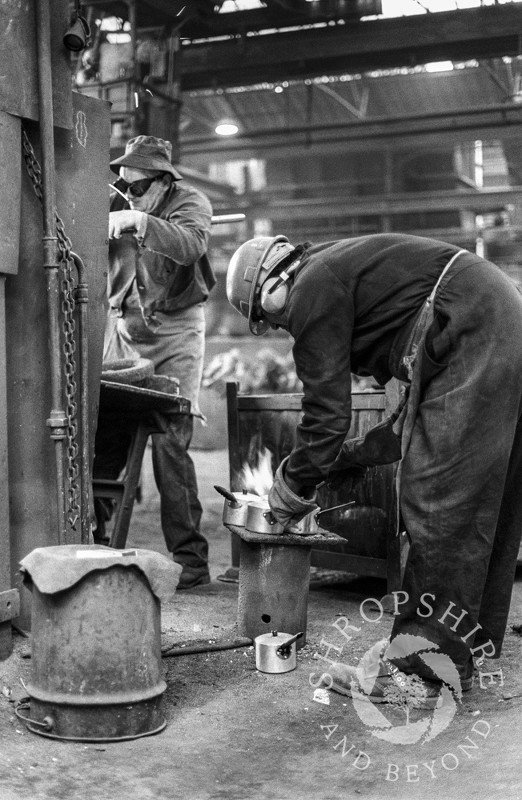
pixel 268 422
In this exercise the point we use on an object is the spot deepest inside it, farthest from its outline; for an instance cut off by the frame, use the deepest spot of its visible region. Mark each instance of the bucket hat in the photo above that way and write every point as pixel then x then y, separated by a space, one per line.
pixel 147 152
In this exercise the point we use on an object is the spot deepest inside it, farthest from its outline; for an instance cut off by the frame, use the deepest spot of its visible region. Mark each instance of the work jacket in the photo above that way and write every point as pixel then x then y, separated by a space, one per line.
pixel 349 305
pixel 166 257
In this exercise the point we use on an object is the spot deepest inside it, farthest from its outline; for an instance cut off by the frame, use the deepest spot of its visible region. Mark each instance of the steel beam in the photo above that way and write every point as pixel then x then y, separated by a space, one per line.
pixel 374 205
pixel 425 130
pixel 474 33
pixel 201 18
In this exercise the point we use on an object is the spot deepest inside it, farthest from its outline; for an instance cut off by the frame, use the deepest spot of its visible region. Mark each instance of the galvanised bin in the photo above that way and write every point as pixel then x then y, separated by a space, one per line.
pixel 96 656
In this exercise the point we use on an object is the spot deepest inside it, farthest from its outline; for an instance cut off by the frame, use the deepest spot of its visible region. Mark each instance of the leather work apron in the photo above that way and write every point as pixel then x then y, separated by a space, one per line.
pixel 388 442
pixel 411 363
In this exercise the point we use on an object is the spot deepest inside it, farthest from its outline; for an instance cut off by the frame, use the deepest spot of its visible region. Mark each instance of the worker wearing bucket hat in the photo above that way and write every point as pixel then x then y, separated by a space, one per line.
pixel 148 153
pixel 447 324
pixel 159 279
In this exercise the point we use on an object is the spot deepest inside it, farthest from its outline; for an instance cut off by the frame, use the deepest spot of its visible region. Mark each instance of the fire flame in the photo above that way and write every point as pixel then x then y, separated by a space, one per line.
pixel 259 479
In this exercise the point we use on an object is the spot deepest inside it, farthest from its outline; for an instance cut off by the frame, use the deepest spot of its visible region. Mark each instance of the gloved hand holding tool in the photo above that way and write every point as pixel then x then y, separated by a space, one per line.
pixel 287 507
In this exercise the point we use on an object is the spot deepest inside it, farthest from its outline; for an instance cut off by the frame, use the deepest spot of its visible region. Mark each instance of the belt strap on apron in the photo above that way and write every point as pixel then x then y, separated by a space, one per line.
pixel 446 268
pixel 424 320
pixel 403 427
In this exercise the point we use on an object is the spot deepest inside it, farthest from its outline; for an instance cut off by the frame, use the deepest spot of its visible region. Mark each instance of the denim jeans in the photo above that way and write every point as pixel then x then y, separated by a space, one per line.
pixel 461 486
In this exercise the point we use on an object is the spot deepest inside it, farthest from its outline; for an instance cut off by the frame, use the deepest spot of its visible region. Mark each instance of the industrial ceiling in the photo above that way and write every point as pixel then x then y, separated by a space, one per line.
pixel 327 80
pixel 339 75
pixel 202 19
pixel 351 46
pixel 297 38
pixel 337 71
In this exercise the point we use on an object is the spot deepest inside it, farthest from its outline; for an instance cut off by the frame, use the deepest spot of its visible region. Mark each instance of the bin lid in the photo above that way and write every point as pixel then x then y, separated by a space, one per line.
pixel 54 569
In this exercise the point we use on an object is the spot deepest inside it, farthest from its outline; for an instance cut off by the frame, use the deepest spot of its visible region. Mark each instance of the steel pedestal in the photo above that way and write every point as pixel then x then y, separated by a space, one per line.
pixel 274 578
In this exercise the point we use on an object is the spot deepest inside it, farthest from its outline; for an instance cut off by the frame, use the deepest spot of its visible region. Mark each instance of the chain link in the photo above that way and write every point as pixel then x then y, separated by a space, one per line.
pixel 68 339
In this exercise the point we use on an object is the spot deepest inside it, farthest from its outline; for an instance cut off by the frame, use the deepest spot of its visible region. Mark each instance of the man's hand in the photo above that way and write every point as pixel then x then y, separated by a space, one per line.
pixel 122 221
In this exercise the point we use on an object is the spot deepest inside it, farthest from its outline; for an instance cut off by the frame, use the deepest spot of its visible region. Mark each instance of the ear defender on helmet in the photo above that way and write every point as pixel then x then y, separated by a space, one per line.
pixel 274 296
pixel 253 263
pixel 275 291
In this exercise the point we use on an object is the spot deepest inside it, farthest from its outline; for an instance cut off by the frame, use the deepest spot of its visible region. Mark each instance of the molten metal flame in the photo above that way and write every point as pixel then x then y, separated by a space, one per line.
pixel 258 480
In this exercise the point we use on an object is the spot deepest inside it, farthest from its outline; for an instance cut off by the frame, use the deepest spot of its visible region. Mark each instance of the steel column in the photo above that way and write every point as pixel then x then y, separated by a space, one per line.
pixel 57 419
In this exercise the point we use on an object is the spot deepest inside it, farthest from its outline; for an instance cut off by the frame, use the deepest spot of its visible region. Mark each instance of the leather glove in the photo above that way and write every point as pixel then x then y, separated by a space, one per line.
pixel 348 478
pixel 286 506
pixel 380 445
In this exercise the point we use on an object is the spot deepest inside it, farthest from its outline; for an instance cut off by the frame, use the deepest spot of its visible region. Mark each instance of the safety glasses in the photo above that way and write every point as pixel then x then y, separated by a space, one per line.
pixel 136 188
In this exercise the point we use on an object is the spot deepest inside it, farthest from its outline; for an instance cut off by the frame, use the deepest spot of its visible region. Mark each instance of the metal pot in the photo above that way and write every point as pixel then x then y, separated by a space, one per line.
pixel 259 518
pixel 236 506
pixel 276 652
pixel 349 518
pixel 307 525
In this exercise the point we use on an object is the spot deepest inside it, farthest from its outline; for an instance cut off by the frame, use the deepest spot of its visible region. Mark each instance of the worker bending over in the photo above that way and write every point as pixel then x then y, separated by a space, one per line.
pixel 448 324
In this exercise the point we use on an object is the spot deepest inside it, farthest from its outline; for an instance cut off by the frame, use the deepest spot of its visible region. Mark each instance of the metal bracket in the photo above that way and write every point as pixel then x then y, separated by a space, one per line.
pixel 9 604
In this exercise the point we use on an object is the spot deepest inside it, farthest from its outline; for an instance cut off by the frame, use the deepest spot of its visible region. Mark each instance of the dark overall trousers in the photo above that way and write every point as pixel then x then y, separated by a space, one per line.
pixel 176 349
pixel 461 486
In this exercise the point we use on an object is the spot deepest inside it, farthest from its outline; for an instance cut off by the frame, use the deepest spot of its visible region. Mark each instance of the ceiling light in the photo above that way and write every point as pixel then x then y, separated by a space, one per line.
pixel 226 127
pixel 439 66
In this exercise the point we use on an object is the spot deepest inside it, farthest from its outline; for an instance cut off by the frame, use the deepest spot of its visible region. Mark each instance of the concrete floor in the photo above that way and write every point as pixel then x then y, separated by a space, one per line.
pixel 234 733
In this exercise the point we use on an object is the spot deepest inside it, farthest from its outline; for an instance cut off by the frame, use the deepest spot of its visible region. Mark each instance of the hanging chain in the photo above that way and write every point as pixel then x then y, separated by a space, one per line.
pixel 69 342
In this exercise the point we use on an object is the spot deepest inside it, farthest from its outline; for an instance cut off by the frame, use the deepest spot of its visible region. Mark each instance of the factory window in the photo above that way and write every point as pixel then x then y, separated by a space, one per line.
pixel 247 175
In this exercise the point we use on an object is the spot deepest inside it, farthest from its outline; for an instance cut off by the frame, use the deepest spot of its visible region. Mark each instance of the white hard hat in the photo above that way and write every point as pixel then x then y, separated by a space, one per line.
pixel 249 267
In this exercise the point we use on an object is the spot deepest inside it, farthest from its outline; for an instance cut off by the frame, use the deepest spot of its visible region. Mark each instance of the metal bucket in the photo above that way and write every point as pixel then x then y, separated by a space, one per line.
pixel 96 659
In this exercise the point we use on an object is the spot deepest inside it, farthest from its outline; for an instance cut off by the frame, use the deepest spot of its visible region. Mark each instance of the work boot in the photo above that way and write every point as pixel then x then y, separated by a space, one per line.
pixel 378 680
pixel 491 669
pixel 468 678
pixel 193 576
pixel 416 692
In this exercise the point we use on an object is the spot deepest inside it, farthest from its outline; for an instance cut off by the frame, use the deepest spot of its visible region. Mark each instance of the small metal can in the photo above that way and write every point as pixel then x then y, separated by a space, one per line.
pixel 276 652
